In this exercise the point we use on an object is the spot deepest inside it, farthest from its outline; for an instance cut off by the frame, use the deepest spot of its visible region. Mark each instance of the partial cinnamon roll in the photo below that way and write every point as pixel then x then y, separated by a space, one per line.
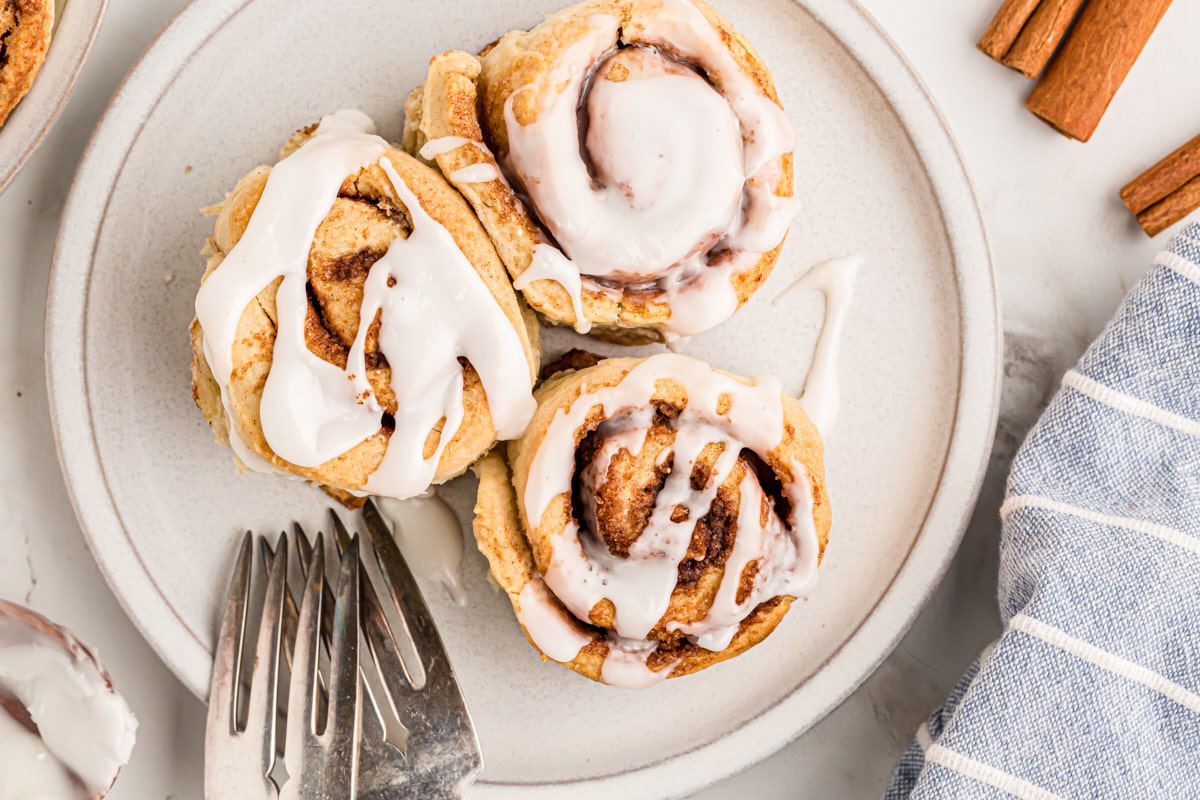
pixel 658 517
pixel 64 731
pixel 355 326
pixel 25 30
pixel 630 158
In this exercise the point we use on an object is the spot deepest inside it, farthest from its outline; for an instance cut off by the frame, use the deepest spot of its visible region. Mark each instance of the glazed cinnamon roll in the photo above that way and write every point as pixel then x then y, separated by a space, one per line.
pixel 355 326
pixel 25 29
pixel 64 732
pixel 645 165
pixel 658 517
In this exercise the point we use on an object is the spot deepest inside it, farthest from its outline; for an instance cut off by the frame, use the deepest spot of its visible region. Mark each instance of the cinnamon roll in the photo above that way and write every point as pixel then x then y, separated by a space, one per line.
pixel 25 30
pixel 629 157
pixel 355 326
pixel 64 732
pixel 658 517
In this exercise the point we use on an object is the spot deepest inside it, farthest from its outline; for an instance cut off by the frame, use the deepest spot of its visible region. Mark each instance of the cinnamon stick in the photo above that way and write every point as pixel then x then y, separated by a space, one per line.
pixel 1041 36
pixel 1091 65
pixel 1168 191
pixel 1006 26
pixel 1174 207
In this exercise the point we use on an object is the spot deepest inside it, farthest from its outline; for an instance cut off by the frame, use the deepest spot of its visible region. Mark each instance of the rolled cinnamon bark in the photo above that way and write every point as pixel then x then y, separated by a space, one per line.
pixel 1168 191
pixel 1082 80
pixel 1174 207
pixel 1163 178
pixel 1041 36
pixel 1006 26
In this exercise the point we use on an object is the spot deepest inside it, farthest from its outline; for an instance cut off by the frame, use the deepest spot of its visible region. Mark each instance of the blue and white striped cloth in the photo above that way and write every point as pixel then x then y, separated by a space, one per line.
pixel 1093 689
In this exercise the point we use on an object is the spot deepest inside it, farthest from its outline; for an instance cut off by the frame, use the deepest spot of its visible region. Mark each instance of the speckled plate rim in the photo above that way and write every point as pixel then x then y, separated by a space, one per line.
pixel 74 34
pixel 962 474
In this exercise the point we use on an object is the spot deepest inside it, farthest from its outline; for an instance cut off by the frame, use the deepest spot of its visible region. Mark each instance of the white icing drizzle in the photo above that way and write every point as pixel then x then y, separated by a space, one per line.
pixel 625 665
pixel 28 770
pixel 85 727
pixel 770 547
pixel 482 172
pixel 835 279
pixel 766 214
pixel 438 301
pixel 582 571
pixel 547 262
pixel 436 147
pixel 561 637
pixel 654 203
pixel 556 633
pixel 681 28
pixel 678 344
pixel 550 264
pixel 479 172
pixel 430 537
pixel 313 411
pixel 695 180
pixel 299 193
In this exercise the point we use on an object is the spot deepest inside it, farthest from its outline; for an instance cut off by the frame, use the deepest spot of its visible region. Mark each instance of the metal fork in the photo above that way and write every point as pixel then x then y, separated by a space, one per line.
pixel 324 763
pixel 241 757
pixel 416 737
pixel 441 757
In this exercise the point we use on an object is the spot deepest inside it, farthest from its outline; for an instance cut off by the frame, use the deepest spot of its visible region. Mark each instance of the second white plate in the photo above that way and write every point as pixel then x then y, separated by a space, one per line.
pixel 75 27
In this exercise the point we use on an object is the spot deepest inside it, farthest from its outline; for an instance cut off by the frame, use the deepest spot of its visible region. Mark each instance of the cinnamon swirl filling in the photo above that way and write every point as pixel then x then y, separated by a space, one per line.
pixel 667 175
pixel 679 181
pixel 671 512
pixel 356 327
pixel 647 163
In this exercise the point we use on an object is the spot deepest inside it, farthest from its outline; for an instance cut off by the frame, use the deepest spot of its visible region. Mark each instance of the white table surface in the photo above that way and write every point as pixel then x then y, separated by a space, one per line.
pixel 1065 249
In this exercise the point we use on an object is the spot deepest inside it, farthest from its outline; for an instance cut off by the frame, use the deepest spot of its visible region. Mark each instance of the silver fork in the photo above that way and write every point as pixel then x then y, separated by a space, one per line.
pixel 441 757
pixel 240 758
pixel 324 763
pixel 419 740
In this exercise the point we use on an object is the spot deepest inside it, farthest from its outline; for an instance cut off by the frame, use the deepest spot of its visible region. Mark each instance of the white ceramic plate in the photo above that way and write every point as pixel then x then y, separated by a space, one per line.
pixel 879 175
pixel 76 23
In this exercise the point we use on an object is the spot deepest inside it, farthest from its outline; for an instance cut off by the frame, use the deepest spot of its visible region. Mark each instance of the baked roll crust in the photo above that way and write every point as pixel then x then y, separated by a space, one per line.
pixel 25 30
pixel 658 517
pixel 629 158
pixel 368 219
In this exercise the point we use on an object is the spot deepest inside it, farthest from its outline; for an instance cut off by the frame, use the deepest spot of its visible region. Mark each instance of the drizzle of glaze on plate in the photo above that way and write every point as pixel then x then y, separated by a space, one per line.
pixel 835 279
pixel 430 537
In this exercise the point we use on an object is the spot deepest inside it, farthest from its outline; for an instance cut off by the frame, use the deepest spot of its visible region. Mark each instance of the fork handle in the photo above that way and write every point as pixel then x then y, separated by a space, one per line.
pixel 417 792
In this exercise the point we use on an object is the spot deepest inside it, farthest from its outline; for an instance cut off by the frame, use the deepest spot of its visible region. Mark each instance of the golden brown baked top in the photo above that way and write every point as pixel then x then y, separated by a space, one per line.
pixel 658 517
pixel 25 30
pixel 648 163
pixel 367 221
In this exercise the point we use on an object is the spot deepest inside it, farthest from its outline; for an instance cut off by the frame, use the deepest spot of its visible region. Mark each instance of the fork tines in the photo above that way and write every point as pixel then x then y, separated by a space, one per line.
pixel 240 757
pixel 413 731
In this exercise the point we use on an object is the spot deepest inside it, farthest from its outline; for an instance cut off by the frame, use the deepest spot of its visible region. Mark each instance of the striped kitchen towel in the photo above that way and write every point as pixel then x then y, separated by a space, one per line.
pixel 1093 689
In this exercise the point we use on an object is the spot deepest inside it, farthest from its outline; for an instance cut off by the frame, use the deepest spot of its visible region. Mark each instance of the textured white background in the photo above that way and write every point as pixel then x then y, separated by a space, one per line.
pixel 1065 249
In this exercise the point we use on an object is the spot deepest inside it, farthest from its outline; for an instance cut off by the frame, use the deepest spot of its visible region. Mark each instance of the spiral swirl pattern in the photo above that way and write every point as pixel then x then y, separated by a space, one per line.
pixel 651 156
pixel 325 272
pixel 669 511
